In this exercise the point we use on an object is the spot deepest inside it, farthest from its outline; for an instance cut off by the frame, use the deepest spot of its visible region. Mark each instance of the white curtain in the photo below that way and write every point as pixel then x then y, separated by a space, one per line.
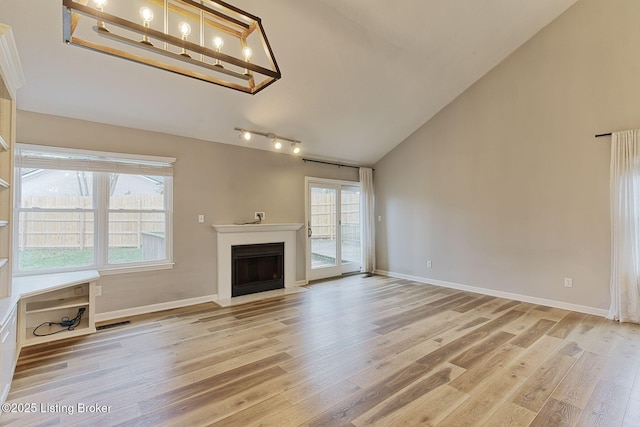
pixel 625 226
pixel 367 221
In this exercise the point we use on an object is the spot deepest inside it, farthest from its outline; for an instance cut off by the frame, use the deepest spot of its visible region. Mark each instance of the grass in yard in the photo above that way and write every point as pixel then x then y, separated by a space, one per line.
pixel 43 258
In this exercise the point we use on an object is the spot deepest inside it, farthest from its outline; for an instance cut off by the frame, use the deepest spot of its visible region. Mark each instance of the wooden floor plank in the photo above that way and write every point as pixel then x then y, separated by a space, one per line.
pixel 353 351
pixel 577 385
pixel 556 413
pixel 567 324
pixel 539 386
pixel 399 401
pixel 510 415
pixel 532 334
pixel 428 409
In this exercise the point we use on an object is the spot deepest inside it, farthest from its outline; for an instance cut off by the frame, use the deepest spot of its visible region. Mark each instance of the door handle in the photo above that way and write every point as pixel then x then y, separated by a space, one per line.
pixel 309 232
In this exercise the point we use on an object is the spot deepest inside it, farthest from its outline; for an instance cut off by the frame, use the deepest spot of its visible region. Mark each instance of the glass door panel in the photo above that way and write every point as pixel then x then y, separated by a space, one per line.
pixel 323 230
pixel 350 229
pixel 333 229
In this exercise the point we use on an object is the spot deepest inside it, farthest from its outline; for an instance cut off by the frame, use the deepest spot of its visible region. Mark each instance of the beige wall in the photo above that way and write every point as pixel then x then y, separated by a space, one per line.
pixel 507 188
pixel 225 183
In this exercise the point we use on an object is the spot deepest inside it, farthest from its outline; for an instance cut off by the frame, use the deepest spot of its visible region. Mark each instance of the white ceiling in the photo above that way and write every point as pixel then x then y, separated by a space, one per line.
pixel 359 76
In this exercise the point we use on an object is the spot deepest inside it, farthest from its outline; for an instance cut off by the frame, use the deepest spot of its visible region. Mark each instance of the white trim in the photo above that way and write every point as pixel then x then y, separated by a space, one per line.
pixel 251 228
pixel 338 185
pixel 10 65
pixel 104 271
pixel 109 154
pixel 137 269
pixel 27 286
pixel 331 181
pixel 258 296
pixel 249 235
pixel 127 312
pixel 101 213
pixel 500 294
pixel 304 282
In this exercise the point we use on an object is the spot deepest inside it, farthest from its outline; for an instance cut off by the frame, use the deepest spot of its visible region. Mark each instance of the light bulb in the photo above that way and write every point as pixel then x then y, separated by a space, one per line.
pixel 277 145
pixel 296 148
pixel 147 15
pixel 246 135
pixel 247 52
pixel 100 4
pixel 185 29
pixel 218 43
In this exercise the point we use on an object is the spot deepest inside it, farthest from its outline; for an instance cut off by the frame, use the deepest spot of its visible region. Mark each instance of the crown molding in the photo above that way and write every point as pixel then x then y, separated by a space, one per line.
pixel 10 66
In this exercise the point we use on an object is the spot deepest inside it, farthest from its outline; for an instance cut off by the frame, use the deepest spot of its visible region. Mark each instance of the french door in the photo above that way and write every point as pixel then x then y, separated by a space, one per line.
pixel 333 228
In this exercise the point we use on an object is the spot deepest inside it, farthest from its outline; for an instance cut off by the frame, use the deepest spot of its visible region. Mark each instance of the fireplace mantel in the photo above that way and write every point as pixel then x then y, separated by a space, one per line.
pixel 249 228
pixel 231 235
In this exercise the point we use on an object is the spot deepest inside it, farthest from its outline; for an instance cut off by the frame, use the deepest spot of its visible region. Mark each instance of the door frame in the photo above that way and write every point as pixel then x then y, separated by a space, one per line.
pixel 308 180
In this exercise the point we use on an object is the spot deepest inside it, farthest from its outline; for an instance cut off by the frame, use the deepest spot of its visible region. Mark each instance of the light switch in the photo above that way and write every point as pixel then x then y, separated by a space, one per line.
pixel 201 219
pixel 379 218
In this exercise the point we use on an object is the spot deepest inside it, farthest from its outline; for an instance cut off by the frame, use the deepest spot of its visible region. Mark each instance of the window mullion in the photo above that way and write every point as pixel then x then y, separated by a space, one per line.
pixel 168 207
pixel 101 201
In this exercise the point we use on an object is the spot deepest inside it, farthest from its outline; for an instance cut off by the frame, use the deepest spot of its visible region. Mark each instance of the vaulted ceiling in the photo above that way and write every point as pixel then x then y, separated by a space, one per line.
pixel 359 76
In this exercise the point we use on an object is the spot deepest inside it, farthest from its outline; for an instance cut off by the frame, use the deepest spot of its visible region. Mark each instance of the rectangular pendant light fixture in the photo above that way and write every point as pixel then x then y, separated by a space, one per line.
pixel 208 40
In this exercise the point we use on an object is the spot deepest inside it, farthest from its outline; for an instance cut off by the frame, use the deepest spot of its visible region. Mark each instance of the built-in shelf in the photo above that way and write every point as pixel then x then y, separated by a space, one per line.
pixel 11 78
pixel 37 306
pixel 52 297
pixel 83 328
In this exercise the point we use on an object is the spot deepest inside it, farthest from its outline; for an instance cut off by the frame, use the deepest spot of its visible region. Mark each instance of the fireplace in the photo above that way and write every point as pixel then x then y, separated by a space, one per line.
pixel 257 268
pixel 229 236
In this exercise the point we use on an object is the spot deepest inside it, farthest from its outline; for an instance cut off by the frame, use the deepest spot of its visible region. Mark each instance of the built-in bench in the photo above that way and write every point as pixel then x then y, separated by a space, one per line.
pixel 39 300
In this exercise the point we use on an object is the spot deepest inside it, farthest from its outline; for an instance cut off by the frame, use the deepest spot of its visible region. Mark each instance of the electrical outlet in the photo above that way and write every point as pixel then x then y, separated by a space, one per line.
pixel 258 216
pixel 98 290
pixel 379 218
pixel 77 290
pixel 568 282
pixel 201 219
pixel 429 264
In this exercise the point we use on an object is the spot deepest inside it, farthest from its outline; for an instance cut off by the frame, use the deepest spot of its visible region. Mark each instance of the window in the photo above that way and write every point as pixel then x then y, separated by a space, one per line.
pixel 78 209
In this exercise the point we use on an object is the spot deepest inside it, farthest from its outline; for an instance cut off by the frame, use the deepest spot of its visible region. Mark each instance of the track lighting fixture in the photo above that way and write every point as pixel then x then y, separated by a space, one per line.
pixel 276 140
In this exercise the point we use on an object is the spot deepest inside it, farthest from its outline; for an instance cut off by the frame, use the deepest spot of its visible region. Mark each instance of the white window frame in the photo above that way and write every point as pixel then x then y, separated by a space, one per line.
pixel 101 208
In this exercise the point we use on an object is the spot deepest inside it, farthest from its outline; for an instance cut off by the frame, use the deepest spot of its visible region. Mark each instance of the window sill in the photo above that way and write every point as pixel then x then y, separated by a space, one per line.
pixel 103 271
pixel 136 269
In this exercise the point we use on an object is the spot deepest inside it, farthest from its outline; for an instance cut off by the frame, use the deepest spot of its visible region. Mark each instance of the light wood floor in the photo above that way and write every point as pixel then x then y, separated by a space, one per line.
pixel 356 351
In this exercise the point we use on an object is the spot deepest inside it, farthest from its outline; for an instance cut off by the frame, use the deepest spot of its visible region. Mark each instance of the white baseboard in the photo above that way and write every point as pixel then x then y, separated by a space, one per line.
pixel 302 282
pixel 101 317
pixel 484 291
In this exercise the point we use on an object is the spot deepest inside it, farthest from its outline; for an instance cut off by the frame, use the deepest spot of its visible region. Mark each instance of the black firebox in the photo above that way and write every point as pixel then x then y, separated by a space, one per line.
pixel 257 268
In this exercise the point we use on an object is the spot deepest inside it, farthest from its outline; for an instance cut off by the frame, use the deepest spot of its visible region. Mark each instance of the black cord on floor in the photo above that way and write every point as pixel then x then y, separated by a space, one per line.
pixel 66 323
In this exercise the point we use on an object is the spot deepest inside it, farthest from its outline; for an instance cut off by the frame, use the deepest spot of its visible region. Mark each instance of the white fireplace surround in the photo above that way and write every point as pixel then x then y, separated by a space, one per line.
pixel 249 234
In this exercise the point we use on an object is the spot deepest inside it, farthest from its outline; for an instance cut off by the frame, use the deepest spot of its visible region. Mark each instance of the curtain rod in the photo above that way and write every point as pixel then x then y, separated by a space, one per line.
pixel 340 165
pixel 603 134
